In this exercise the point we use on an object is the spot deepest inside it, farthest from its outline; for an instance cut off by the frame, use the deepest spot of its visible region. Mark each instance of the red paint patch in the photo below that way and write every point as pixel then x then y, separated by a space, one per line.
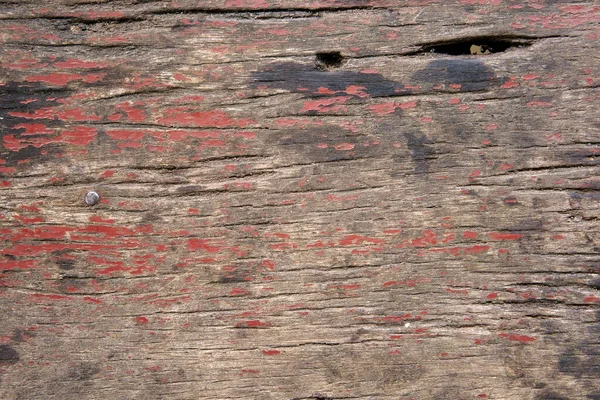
pixel 107 174
pixel 517 338
pixel 239 292
pixel 97 219
pixel 141 320
pixel 34 129
pixel 592 299
pixel 510 84
pixel 252 324
pixel 324 105
pixel 271 352
pixel 428 238
pixel 529 77
pixel 350 240
pixel 393 318
pixel 215 118
pixel 12 265
pixel 269 264
pixel 390 107
pixel 344 146
pixel 470 235
pixel 504 236
pixel 59 79
pixel 204 244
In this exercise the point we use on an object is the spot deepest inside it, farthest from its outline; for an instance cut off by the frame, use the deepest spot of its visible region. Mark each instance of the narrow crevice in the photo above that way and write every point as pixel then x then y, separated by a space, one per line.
pixel 475 46
pixel 273 13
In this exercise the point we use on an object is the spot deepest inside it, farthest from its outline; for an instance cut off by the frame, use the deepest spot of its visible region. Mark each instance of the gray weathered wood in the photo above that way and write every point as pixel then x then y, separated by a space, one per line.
pixel 399 223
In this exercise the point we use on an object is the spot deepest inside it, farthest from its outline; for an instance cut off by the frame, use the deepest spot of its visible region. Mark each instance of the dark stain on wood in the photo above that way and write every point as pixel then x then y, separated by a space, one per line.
pixel 420 151
pixel 305 78
pixel 470 75
pixel 8 354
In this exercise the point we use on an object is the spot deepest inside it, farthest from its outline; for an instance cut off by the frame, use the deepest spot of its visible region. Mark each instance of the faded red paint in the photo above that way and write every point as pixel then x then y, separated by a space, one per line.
pixel 429 238
pixel 517 338
pixel 255 323
pixel 393 318
pixel 477 249
pixel 408 282
pixel 271 352
pixel 40 296
pixel 350 240
pixel 79 64
pixel 14 265
pixel 592 299
pixel 344 146
pixel 239 292
pixel 504 236
pixel 207 245
pixel 390 107
pixel 100 220
pixel 457 291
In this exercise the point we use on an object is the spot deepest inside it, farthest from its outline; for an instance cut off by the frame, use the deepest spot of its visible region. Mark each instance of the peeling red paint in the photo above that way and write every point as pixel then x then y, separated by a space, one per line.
pixel 78 135
pixel 186 116
pixel 325 105
pixel 350 240
pixel 60 79
pixel 429 237
pixel 477 249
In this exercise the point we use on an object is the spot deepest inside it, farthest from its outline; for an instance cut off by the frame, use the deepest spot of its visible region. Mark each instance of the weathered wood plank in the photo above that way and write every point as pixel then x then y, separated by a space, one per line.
pixel 300 200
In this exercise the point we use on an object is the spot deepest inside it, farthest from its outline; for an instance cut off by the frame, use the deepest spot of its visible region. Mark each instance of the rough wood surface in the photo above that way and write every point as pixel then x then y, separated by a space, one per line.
pixel 300 199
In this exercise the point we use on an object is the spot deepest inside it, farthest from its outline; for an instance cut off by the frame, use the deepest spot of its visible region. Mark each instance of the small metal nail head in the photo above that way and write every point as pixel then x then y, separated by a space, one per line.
pixel 92 198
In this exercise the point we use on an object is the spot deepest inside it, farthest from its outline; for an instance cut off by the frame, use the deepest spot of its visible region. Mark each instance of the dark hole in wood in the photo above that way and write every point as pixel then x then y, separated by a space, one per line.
pixel 330 59
pixel 474 46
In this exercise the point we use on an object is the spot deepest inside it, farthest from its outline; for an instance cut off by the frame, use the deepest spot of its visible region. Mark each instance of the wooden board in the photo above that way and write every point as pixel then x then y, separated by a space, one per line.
pixel 318 199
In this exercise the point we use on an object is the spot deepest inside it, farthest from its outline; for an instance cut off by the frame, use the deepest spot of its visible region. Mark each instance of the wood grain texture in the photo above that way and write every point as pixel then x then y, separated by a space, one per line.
pixel 274 223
